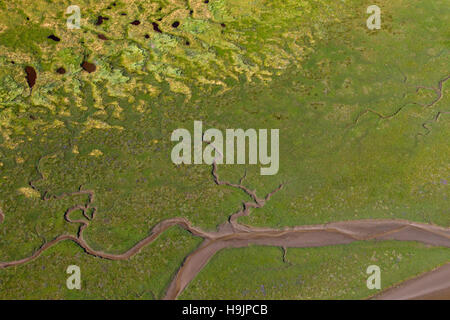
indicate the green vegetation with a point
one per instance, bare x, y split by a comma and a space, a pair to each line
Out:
145, 276
334, 272
356, 141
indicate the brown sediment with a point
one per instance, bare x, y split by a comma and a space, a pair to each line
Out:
443, 294
257, 202
233, 234
88, 66
100, 20
433, 285
2, 216
61, 70
439, 95
427, 123
84, 223
31, 76
102, 36
306, 236
156, 27
54, 38
437, 90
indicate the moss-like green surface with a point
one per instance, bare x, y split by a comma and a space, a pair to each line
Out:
356, 141
335, 272
144, 276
